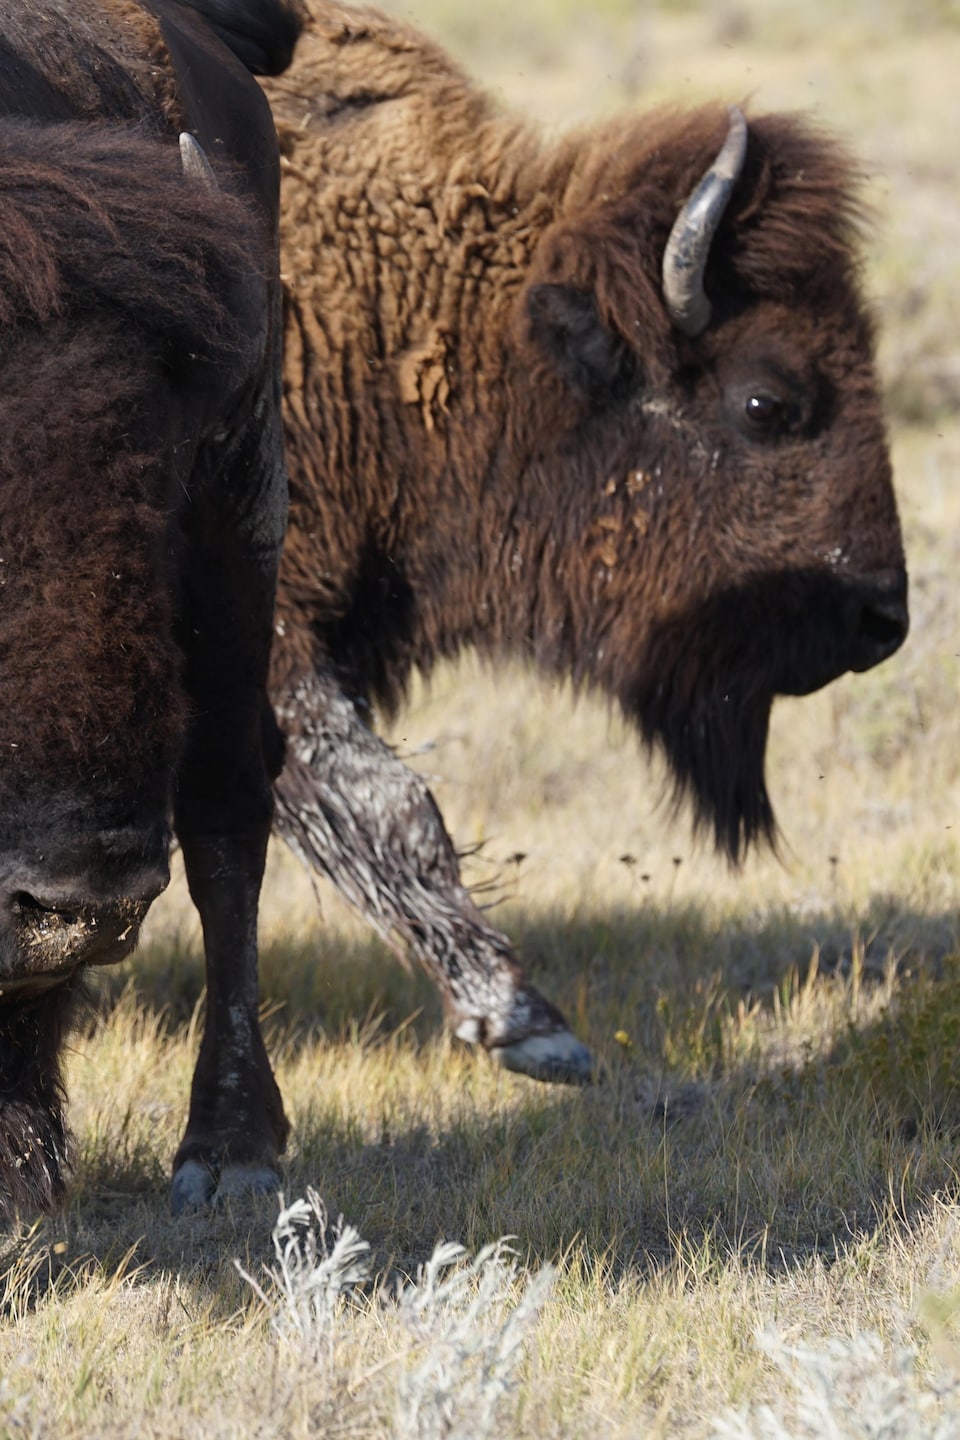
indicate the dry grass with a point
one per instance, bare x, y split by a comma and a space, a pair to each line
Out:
759, 1206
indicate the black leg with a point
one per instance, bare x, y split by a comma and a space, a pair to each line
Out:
237, 1128
223, 807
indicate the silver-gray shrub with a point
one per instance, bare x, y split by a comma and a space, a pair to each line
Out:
847, 1389
456, 1334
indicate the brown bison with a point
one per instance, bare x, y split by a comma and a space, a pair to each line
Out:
607, 404
142, 509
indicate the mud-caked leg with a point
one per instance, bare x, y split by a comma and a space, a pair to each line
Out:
350, 808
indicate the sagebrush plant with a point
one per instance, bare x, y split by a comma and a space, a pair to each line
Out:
319, 1264
458, 1330
848, 1389
467, 1328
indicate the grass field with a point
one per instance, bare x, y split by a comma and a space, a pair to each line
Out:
759, 1207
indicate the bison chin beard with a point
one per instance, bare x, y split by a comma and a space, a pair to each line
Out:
715, 743
704, 687
703, 696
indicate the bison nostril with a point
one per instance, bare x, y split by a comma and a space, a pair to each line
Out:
876, 618
27, 905
884, 624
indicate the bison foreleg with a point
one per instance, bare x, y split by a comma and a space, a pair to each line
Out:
33, 1136
237, 1127
352, 810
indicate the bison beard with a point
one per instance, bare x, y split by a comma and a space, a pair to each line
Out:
708, 684
714, 740
704, 699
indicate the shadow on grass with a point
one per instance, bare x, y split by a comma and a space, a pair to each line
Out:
615, 964
692, 1145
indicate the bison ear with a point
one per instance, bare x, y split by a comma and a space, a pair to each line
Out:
566, 325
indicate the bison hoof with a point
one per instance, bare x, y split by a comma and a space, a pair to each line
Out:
196, 1186
558, 1057
193, 1187
241, 1181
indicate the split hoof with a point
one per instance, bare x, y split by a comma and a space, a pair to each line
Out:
192, 1188
197, 1187
241, 1182
557, 1057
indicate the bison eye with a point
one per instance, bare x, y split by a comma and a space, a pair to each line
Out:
768, 414
763, 410
768, 404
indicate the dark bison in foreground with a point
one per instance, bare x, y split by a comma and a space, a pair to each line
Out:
607, 404
142, 508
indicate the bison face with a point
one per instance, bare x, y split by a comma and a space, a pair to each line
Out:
735, 520
74, 888
773, 533
800, 442
789, 519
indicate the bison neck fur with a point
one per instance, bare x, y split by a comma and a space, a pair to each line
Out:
497, 439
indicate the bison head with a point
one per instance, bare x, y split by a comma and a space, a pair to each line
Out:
91, 705
115, 346
708, 411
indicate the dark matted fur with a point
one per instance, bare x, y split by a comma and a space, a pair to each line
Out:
109, 56
80, 59
103, 279
142, 505
497, 438
33, 1133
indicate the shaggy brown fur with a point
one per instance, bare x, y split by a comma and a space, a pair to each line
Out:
79, 230
497, 438
105, 287
123, 64
452, 482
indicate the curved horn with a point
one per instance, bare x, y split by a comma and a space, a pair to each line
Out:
685, 258
195, 164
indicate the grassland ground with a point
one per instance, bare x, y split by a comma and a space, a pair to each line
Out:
774, 1150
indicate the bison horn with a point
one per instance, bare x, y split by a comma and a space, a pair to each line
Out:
195, 164
685, 257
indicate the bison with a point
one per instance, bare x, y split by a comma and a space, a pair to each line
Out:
606, 403
142, 509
